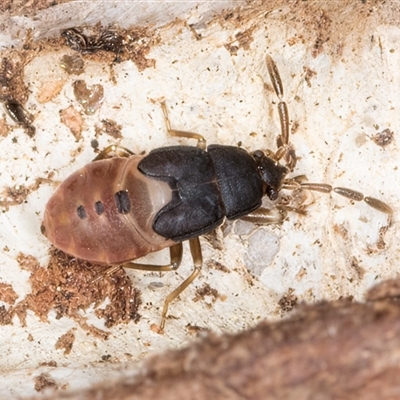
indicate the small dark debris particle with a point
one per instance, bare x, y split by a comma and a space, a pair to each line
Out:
94, 143
288, 301
195, 330
44, 381
111, 128
66, 342
383, 138
218, 266
50, 363
206, 290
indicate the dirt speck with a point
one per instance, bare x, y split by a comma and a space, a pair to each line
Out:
206, 292
308, 75
66, 342
242, 40
218, 266
50, 90
89, 97
4, 128
355, 266
7, 293
67, 286
50, 363
109, 127
383, 138
13, 196
12, 84
44, 381
288, 301
342, 231
196, 330
73, 120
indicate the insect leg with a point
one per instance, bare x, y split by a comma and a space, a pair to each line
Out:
285, 149
108, 272
201, 142
175, 252
176, 258
113, 151
195, 250
264, 216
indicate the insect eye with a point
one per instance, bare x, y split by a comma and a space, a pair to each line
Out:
81, 212
99, 207
272, 194
122, 201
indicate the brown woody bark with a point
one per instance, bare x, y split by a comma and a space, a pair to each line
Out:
342, 350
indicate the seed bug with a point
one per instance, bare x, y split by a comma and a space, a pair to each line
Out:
123, 206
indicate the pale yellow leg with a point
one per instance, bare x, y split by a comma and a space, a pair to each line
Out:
201, 142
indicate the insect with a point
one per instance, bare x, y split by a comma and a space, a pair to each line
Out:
123, 206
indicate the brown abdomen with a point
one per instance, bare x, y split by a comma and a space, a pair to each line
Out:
104, 212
